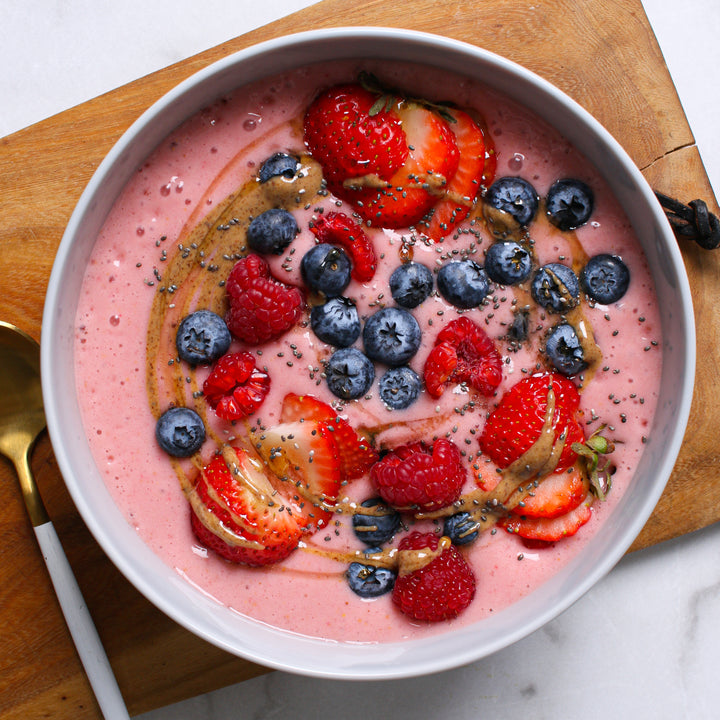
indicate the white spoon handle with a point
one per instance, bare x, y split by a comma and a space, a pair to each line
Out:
92, 654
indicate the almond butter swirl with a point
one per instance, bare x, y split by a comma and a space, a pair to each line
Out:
193, 278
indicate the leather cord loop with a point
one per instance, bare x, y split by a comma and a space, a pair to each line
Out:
692, 221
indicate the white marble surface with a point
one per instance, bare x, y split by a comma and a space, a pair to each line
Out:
645, 642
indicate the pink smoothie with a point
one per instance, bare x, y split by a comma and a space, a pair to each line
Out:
151, 227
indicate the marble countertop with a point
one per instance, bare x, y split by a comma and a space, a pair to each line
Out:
644, 641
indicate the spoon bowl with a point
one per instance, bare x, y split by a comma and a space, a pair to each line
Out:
22, 416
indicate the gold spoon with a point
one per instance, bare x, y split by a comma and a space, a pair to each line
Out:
22, 419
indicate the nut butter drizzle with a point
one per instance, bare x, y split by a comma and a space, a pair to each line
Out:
217, 241
404, 561
503, 226
213, 523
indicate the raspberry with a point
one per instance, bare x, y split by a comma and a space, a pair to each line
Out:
463, 352
440, 590
439, 368
236, 388
261, 307
338, 229
414, 476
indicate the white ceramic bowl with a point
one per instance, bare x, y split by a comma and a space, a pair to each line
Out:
189, 606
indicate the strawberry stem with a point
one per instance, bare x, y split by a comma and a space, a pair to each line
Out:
388, 97
590, 452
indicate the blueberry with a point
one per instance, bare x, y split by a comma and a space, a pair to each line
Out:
391, 336
555, 287
564, 350
180, 432
515, 196
463, 283
279, 164
326, 268
202, 338
569, 203
410, 284
399, 387
520, 326
461, 528
272, 231
507, 263
336, 322
377, 527
349, 373
369, 581
605, 278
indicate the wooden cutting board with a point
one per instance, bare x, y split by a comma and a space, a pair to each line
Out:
601, 52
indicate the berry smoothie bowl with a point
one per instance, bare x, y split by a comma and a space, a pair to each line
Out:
366, 353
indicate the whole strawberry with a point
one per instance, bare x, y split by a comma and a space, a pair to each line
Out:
437, 590
414, 476
516, 425
351, 137
261, 307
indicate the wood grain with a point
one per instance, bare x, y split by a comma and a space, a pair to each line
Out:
601, 52
692, 489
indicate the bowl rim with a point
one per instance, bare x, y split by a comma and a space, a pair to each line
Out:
358, 662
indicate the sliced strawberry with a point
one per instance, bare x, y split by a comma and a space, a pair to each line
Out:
308, 407
517, 423
338, 229
430, 165
305, 458
235, 387
551, 529
463, 352
356, 453
486, 476
466, 183
351, 137
238, 515
490, 159
261, 307
557, 494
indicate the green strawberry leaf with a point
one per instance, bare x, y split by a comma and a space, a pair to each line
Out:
590, 451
